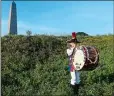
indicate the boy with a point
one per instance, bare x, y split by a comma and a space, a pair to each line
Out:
75, 75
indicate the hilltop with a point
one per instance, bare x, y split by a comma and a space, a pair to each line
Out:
37, 65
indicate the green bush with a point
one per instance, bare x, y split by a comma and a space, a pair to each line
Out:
37, 65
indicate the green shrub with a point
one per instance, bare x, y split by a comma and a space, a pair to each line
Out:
37, 65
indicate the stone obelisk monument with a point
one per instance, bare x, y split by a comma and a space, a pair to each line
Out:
12, 19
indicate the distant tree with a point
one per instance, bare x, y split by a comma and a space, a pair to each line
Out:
10, 34
82, 34
28, 33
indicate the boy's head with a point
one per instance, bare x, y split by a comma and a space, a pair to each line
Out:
73, 44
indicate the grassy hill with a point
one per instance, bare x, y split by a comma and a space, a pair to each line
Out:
38, 65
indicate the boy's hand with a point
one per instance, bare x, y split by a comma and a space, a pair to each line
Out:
69, 51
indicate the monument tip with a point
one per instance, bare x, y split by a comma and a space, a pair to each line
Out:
13, 1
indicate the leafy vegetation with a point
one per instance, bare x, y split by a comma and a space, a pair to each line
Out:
82, 34
37, 65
